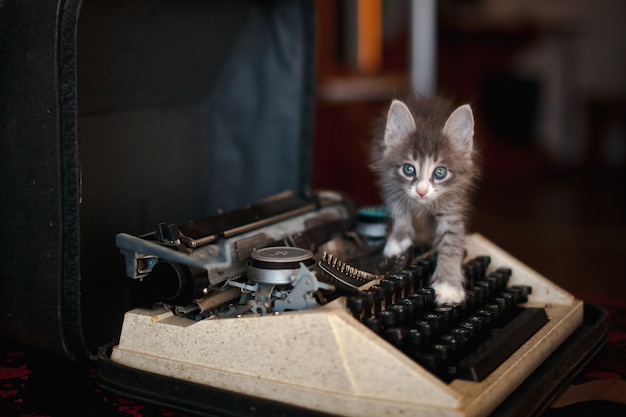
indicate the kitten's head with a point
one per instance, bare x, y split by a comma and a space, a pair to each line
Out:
425, 156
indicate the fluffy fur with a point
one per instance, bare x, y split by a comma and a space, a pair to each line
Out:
424, 160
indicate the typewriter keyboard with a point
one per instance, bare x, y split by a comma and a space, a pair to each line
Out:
453, 342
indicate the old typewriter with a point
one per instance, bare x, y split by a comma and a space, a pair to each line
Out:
288, 307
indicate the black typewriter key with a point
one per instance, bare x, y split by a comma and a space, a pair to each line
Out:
487, 316
389, 318
503, 274
436, 322
471, 328
470, 270
407, 280
398, 286
459, 312
402, 313
488, 288
369, 300
505, 302
483, 262
420, 277
495, 309
431, 324
526, 290
480, 294
443, 354
425, 328
507, 272
448, 315
419, 304
444, 351
477, 329
389, 288
394, 335
480, 322
356, 305
379, 297
373, 323
494, 283
500, 279
452, 342
429, 293
470, 273
498, 312
510, 297
517, 295
409, 300
462, 335
410, 309
470, 302
450, 351
428, 264
490, 284
410, 279
413, 340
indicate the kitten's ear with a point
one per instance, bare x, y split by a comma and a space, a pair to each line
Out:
460, 127
400, 122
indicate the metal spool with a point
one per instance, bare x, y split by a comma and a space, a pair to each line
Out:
278, 264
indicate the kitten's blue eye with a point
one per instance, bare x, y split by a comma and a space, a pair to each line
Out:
408, 170
440, 173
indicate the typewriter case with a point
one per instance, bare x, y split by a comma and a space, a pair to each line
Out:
118, 115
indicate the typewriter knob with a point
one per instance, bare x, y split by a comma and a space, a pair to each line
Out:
278, 264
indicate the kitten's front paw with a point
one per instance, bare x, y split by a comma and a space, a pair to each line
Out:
448, 293
395, 247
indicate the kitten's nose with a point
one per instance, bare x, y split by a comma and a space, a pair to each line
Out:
422, 188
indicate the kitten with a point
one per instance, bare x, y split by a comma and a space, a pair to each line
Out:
425, 164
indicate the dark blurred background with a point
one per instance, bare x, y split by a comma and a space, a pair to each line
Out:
547, 82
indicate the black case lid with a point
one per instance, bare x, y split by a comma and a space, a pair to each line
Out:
115, 116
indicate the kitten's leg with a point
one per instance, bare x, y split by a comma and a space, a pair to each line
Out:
448, 279
401, 235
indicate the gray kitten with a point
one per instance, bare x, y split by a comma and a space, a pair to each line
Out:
425, 163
